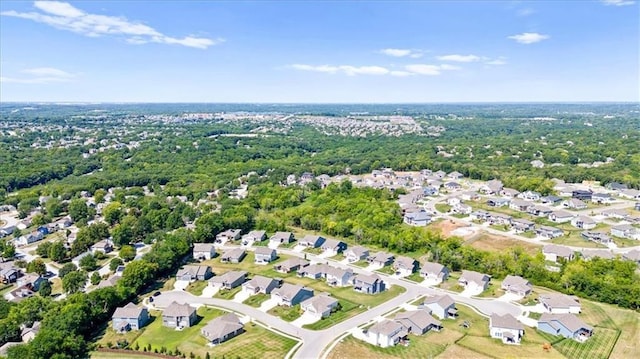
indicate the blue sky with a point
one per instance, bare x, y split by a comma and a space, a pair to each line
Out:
337, 51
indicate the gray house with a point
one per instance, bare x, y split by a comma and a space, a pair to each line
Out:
291, 264
203, 251
567, 325
254, 236
311, 241
357, 253
129, 317
442, 306
235, 255
332, 247
222, 328
418, 322
434, 271
264, 255
291, 294
179, 315
194, 272
260, 284
516, 285
229, 280
281, 237
405, 266
368, 284
319, 306
381, 259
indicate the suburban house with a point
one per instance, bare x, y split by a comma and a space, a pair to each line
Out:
522, 225
228, 235
356, 253
254, 236
567, 325
506, 327
549, 232
368, 284
602, 198
311, 241
332, 247
583, 222
469, 196
552, 252
27, 334
588, 254
179, 315
442, 306
615, 213
265, 255
222, 328
630, 193
462, 208
405, 266
235, 255
557, 303
338, 277
260, 284
582, 195
291, 264
29, 238
313, 271
616, 186
626, 231
291, 294
499, 219
474, 280
319, 306
539, 211
452, 186
550, 200
574, 203
418, 322
492, 187
76, 260
430, 191
561, 216
229, 280
19, 294
9, 274
203, 251
129, 317
516, 285
530, 195
509, 192
498, 202
417, 218
598, 237
194, 272
455, 175
281, 237
435, 272
381, 259
30, 280
520, 205
104, 246
480, 215
386, 333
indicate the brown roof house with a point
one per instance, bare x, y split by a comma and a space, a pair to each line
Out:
179, 315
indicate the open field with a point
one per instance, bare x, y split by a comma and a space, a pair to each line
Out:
228, 293
494, 290
458, 352
247, 264
196, 287
256, 342
452, 283
256, 300
530, 347
494, 243
347, 310
122, 355
288, 314
444, 227
574, 239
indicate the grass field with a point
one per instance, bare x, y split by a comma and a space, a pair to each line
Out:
196, 287
129, 355
347, 310
493, 291
442, 207
452, 283
256, 342
574, 239
256, 300
228, 293
288, 314
494, 243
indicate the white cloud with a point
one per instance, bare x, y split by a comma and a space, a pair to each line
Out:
459, 58
64, 16
496, 62
414, 54
408, 70
617, 2
40, 75
528, 37
525, 11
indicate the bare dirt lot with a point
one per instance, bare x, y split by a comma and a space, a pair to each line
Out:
491, 242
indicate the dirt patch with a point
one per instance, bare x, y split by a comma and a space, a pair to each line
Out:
445, 227
458, 352
492, 242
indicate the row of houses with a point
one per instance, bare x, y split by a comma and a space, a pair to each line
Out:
554, 253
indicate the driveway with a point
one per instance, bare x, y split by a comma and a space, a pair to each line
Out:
268, 304
209, 291
241, 296
305, 318
509, 297
181, 285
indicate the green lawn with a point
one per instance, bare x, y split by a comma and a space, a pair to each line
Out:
493, 291
247, 264
574, 239
347, 293
415, 277
442, 207
256, 342
386, 270
288, 314
228, 293
347, 310
599, 346
256, 300
196, 287
361, 263
122, 355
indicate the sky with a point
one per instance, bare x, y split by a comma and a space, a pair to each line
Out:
320, 51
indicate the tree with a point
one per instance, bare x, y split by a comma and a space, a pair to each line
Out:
95, 278
127, 253
66, 269
88, 262
208, 226
99, 194
53, 207
43, 249
45, 289
73, 282
137, 274
40, 220
9, 251
122, 233
112, 212
37, 266
78, 210
57, 251
115, 263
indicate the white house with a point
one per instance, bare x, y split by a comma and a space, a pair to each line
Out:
386, 333
434, 272
442, 306
557, 303
506, 328
552, 252
203, 251
583, 222
561, 216
474, 281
